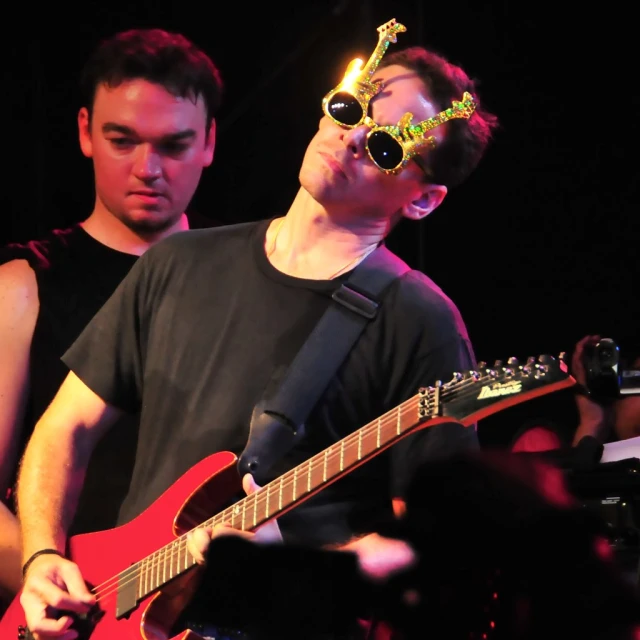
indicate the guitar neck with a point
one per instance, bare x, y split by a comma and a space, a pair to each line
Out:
331, 464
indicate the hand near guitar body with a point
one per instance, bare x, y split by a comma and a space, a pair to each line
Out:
198, 539
53, 584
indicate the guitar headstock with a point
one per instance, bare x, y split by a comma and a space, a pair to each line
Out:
389, 30
472, 395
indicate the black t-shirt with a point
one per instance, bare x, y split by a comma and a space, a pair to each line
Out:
203, 322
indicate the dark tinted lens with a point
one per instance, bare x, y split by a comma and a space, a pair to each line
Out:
345, 108
385, 150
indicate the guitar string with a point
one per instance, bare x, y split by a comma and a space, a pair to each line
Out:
154, 560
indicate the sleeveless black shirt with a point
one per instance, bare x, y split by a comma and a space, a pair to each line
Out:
75, 276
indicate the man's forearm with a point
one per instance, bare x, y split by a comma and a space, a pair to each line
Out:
49, 483
10, 556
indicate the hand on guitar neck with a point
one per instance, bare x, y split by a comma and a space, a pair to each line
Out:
198, 539
378, 556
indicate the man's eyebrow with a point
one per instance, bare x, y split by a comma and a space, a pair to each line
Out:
114, 127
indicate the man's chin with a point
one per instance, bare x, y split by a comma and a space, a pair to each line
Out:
149, 222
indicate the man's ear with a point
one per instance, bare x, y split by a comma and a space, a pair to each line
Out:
431, 198
84, 132
210, 144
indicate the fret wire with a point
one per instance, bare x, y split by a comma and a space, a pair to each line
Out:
255, 508
149, 573
294, 495
164, 567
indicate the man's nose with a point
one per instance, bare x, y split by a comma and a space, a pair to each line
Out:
355, 140
147, 165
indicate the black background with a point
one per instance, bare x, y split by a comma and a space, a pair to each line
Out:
537, 249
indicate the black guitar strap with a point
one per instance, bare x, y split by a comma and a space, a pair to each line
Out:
278, 420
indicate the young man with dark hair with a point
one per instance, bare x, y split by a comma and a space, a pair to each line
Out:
148, 124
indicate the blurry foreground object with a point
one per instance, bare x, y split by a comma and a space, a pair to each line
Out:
507, 553
504, 552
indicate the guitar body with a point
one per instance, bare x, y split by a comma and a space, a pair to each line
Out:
201, 491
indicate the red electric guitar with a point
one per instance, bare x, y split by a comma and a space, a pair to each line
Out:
141, 572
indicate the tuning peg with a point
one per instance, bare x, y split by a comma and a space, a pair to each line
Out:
457, 376
546, 359
497, 364
531, 360
482, 365
514, 363
563, 356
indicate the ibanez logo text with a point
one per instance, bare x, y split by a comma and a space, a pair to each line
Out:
498, 389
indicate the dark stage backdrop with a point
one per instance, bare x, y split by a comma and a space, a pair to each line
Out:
537, 249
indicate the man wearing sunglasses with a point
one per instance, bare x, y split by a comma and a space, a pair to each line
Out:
195, 334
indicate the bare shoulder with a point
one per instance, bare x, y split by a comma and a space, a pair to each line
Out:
18, 292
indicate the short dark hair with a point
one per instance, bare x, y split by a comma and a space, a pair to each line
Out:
466, 141
155, 55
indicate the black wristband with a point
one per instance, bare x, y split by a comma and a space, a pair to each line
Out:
27, 564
